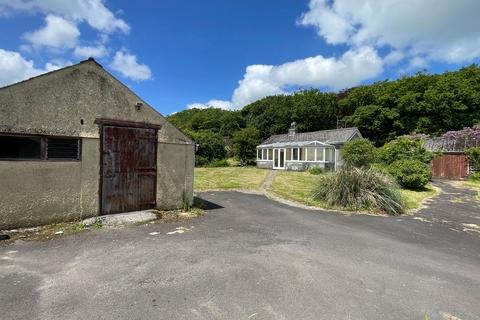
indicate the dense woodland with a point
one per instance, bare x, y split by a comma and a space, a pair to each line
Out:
424, 103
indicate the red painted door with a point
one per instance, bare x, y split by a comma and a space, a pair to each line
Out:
129, 169
450, 166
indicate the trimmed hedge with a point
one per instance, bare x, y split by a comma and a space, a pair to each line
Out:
411, 174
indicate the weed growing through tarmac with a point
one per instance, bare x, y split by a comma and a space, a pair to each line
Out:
52, 231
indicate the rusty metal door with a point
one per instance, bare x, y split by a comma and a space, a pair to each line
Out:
450, 166
129, 169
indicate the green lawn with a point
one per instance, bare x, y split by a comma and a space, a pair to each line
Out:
414, 199
244, 178
475, 184
472, 183
296, 186
289, 185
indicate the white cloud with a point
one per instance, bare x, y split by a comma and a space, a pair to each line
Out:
353, 67
412, 31
84, 52
56, 64
57, 33
330, 25
127, 65
437, 30
393, 57
93, 12
221, 104
417, 63
14, 67
259, 81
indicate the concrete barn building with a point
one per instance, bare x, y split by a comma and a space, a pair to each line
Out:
300, 151
77, 143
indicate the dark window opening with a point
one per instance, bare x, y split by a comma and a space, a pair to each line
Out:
18, 147
63, 148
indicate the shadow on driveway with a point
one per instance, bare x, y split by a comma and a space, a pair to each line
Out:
250, 257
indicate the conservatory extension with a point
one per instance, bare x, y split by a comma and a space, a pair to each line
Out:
302, 151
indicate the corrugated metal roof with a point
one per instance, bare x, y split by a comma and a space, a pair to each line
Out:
335, 136
450, 144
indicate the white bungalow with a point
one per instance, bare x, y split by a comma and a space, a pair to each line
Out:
302, 151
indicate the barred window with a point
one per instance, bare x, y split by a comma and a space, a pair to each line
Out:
25, 147
63, 148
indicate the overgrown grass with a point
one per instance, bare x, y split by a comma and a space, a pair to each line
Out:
360, 189
245, 178
413, 199
473, 184
296, 186
289, 185
47, 232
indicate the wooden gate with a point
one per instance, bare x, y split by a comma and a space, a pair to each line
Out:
129, 169
450, 166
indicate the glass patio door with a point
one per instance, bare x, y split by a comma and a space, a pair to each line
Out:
278, 158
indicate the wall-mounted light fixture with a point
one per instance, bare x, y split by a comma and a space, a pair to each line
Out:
138, 106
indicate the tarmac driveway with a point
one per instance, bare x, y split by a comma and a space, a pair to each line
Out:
249, 257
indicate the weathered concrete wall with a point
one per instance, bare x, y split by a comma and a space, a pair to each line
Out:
56, 103
338, 157
303, 166
90, 178
296, 165
40, 192
35, 192
175, 165
264, 164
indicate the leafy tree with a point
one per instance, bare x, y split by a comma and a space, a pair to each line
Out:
245, 142
214, 119
404, 148
359, 152
231, 122
372, 120
423, 103
311, 109
211, 147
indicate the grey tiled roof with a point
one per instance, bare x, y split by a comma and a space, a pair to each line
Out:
326, 136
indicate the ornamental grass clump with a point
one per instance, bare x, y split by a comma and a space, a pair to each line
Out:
360, 189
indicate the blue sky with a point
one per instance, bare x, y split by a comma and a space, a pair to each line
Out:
181, 54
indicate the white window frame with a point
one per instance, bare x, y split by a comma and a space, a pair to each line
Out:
314, 154
325, 155
316, 151
297, 155
278, 167
315, 144
260, 151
